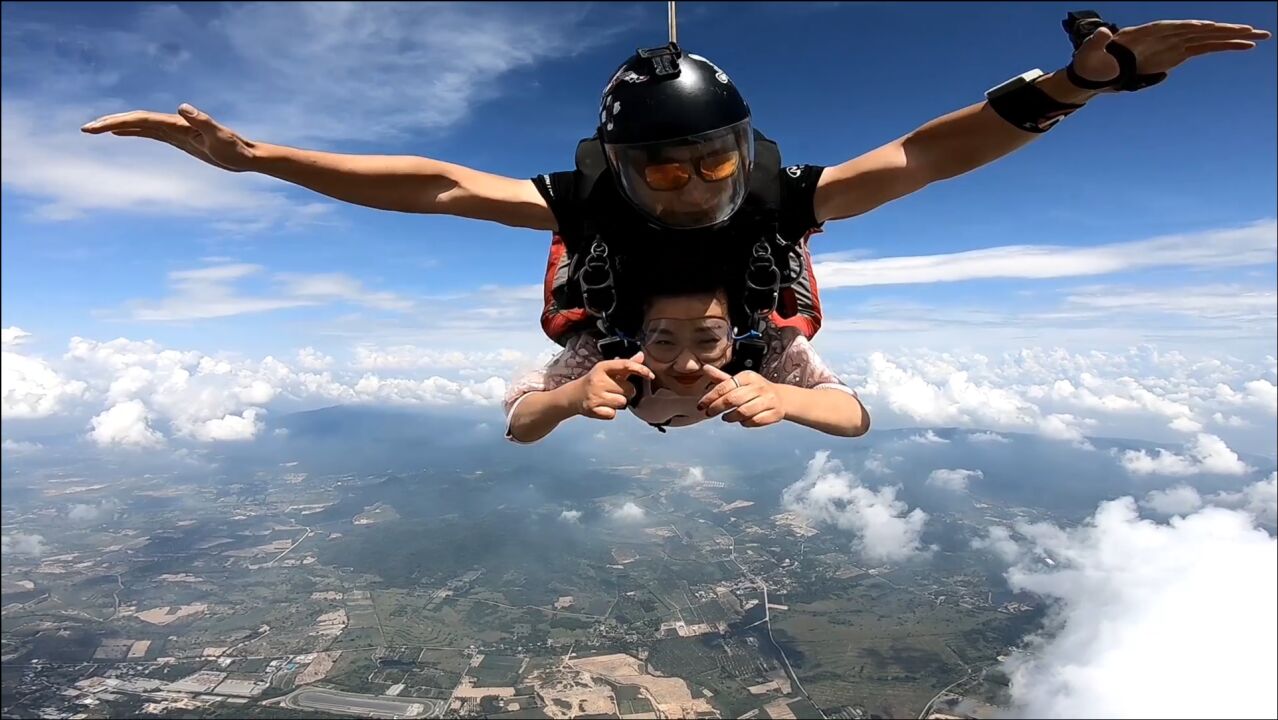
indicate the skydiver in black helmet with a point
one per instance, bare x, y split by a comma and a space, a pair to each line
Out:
676, 173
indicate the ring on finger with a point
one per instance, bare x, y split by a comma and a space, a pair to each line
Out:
736, 382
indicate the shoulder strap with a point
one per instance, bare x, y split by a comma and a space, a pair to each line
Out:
591, 164
765, 181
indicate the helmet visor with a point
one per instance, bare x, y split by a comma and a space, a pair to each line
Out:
690, 182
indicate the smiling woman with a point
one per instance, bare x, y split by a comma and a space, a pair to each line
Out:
686, 372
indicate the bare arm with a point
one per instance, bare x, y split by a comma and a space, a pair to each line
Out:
946, 147
407, 183
539, 413
599, 394
403, 183
831, 411
974, 136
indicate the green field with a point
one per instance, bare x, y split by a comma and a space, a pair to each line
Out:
885, 648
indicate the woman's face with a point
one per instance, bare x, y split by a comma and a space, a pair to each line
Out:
684, 334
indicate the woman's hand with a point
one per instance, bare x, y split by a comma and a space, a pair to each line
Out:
606, 388
753, 400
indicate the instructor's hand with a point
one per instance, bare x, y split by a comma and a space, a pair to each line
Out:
752, 399
190, 130
606, 388
1162, 45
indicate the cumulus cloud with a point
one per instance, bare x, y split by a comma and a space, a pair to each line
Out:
955, 480
1259, 499
126, 424
230, 427
886, 530
409, 357
1150, 619
22, 544
148, 391
1252, 244
879, 465
998, 540
33, 389
13, 337
1141, 393
928, 438
629, 512
1179, 500
572, 517
986, 437
86, 512
1207, 454
308, 358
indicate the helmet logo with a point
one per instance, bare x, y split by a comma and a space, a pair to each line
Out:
719, 75
629, 76
793, 171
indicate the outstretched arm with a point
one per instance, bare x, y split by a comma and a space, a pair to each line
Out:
754, 401
599, 394
403, 183
974, 136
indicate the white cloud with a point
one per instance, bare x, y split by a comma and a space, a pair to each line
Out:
1252, 244
1260, 499
1207, 454
629, 512
572, 517
211, 292
12, 337
1215, 302
22, 544
928, 438
126, 424
230, 427
32, 389
986, 437
1151, 620
338, 286
323, 80
998, 540
1259, 393
44, 156
85, 512
694, 475
308, 358
409, 357
878, 465
1143, 393
955, 480
1179, 500
884, 530
19, 447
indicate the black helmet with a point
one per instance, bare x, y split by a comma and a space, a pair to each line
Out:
677, 136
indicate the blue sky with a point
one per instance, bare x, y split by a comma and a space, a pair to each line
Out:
1162, 201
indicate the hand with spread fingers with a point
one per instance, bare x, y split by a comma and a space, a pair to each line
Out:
191, 131
606, 389
1156, 48
750, 399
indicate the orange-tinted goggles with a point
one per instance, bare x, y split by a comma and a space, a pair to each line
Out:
667, 176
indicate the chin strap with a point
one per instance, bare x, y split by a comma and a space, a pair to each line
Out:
1080, 25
